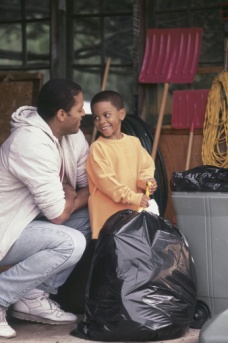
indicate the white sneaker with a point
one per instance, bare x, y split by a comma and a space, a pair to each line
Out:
41, 309
5, 330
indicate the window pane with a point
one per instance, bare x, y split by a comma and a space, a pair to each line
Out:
11, 46
87, 43
213, 41
118, 5
121, 80
167, 5
90, 81
86, 6
37, 9
119, 39
205, 3
172, 20
10, 10
38, 44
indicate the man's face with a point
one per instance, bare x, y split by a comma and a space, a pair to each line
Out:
72, 119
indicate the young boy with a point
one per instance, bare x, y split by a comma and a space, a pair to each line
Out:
118, 167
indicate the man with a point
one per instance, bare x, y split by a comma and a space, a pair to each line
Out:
44, 221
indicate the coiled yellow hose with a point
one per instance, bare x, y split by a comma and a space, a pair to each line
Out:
215, 129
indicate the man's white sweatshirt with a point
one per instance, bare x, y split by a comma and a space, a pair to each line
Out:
30, 163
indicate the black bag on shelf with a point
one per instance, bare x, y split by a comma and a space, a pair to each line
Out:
142, 282
203, 178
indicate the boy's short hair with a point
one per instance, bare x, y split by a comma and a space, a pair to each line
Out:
56, 94
110, 96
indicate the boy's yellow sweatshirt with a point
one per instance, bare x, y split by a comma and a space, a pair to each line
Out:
117, 173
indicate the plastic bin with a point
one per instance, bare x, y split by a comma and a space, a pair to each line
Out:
203, 218
215, 330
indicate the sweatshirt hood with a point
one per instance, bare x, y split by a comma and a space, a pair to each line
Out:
28, 116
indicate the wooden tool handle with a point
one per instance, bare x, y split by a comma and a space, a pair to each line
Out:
189, 150
102, 89
159, 123
105, 77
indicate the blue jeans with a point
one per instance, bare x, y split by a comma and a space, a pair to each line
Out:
43, 256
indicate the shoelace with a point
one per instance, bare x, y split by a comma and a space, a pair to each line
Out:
53, 305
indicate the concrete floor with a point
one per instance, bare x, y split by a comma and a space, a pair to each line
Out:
28, 332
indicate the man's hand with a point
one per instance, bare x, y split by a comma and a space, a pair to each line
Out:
74, 201
69, 191
81, 199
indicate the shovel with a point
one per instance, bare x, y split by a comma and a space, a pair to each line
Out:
171, 56
189, 107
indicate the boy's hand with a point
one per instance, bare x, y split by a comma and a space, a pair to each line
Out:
152, 185
144, 201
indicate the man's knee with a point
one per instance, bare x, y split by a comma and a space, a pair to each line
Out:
68, 244
78, 242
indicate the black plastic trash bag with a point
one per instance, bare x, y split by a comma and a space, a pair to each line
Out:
142, 283
203, 178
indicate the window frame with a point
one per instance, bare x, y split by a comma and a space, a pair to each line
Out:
24, 52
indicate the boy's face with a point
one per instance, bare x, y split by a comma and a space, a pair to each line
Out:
107, 119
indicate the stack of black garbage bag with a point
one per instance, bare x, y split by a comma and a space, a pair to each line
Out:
142, 283
203, 178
